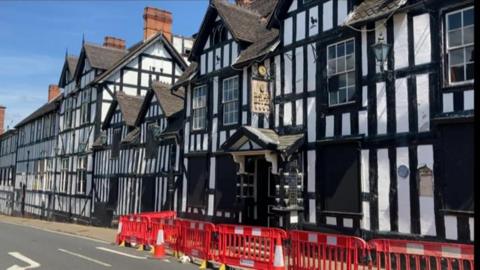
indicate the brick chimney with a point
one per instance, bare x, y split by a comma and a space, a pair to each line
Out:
53, 92
113, 42
2, 119
244, 3
157, 20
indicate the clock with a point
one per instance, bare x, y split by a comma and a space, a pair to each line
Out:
262, 70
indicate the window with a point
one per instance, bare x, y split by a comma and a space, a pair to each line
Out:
341, 72
117, 136
220, 34
50, 175
64, 176
230, 101
67, 117
199, 106
82, 174
85, 108
460, 35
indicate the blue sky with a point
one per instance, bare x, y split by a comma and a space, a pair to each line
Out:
34, 36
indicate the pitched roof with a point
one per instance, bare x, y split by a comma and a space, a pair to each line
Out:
129, 107
245, 24
371, 9
258, 49
72, 62
43, 110
264, 8
136, 49
102, 57
186, 75
170, 101
131, 137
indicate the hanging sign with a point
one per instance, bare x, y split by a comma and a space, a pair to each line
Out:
260, 97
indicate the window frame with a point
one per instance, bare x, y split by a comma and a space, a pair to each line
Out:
235, 100
462, 46
345, 72
81, 185
85, 107
63, 187
197, 108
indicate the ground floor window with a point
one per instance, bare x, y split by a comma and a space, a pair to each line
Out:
82, 174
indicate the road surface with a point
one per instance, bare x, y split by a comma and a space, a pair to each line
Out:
23, 247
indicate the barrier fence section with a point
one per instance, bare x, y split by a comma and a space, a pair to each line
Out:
132, 229
313, 250
251, 247
198, 239
403, 254
171, 232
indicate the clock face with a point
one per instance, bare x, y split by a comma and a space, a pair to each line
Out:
262, 70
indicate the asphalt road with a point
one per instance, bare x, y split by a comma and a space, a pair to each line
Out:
24, 247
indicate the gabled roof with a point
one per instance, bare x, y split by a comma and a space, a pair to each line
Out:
69, 65
98, 56
246, 24
170, 101
265, 139
372, 9
186, 75
129, 108
43, 110
138, 48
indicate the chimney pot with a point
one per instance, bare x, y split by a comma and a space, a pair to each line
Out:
2, 119
53, 92
157, 20
113, 42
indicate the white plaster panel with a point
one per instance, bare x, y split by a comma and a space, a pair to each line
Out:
277, 75
364, 51
447, 102
403, 192
244, 86
287, 114
427, 212
210, 62
346, 124
381, 108
287, 58
400, 43
366, 215
299, 70
342, 11
293, 6
422, 44
363, 122
203, 64
311, 119
365, 170
215, 94
226, 55
300, 26
218, 58
329, 126
383, 190
313, 28
327, 15
401, 105
234, 52
451, 227
299, 112
311, 67
468, 100
471, 225
288, 31
423, 102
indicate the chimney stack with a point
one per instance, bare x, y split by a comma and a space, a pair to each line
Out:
2, 119
157, 20
244, 3
53, 92
113, 42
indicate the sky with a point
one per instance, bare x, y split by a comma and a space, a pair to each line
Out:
35, 35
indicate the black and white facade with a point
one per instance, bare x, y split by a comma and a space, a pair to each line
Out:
373, 149
35, 163
8, 152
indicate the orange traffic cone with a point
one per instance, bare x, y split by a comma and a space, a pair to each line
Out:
278, 260
159, 248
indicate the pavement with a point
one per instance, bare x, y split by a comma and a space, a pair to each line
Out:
37, 244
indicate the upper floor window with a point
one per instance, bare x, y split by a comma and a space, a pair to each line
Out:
199, 107
68, 115
220, 34
230, 101
117, 137
460, 35
341, 72
85, 108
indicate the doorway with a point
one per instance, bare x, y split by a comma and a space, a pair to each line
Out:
259, 192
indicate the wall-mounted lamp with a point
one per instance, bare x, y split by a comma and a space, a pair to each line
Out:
381, 51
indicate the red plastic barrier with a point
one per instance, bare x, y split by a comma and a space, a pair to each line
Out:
133, 229
163, 214
197, 239
404, 254
313, 250
171, 232
251, 247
